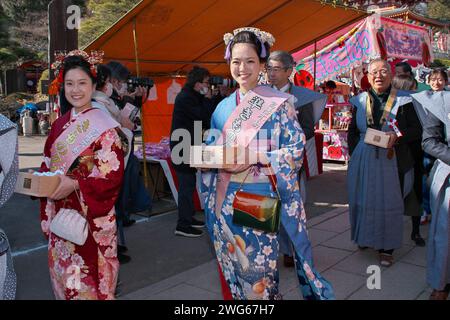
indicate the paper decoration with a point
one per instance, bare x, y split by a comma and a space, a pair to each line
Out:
173, 91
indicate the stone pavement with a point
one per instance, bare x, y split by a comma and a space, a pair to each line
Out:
335, 256
164, 266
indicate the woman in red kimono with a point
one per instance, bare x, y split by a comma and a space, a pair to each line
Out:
85, 145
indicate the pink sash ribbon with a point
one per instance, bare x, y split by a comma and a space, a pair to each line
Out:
243, 125
78, 136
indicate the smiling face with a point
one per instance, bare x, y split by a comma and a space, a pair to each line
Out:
379, 76
245, 66
78, 87
437, 82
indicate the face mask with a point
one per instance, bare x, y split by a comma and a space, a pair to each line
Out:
204, 90
109, 89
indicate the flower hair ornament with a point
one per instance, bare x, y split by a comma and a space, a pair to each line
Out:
95, 58
263, 37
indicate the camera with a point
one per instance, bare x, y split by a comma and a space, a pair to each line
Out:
217, 81
134, 82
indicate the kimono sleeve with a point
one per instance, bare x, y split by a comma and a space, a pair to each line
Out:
46, 212
101, 188
433, 141
288, 158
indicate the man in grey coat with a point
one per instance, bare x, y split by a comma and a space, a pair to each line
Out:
309, 106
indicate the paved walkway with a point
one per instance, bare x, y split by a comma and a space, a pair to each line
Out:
335, 256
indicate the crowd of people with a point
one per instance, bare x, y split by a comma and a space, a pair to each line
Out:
254, 200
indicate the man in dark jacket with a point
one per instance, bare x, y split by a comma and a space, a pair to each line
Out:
133, 197
193, 104
309, 106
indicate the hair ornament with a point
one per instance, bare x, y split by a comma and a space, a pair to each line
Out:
95, 58
263, 37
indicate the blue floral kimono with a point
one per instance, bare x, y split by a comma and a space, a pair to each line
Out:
248, 257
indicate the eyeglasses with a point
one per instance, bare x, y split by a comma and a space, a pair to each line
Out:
275, 69
382, 72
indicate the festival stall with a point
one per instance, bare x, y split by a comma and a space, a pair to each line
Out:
164, 39
347, 52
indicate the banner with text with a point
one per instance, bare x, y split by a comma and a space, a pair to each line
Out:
405, 41
349, 50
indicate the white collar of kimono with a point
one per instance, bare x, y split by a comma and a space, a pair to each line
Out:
241, 95
74, 114
286, 87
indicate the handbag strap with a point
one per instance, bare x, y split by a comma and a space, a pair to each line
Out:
79, 200
272, 178
386, 111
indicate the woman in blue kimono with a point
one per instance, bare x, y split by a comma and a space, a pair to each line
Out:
436, 142
248, 257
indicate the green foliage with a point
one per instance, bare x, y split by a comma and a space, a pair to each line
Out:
23, 30
17, 9
439, 9
10, 51
5, 22
7, 57
13, 54
102, 14
440, 63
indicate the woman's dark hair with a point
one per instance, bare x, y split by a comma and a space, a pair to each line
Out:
406, 67
252, 39
330, 84
441, 72
118, 71
404, 82
69, 63
103, 74
197, 74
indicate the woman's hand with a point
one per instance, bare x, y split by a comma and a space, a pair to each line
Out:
237, 168
263, 158
65, 188
126, 123
140, 91
392, 139
244, 158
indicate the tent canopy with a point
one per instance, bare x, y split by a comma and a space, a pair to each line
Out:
174, 35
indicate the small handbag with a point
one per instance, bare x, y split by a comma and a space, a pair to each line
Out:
257, 211
376, 138
69, 224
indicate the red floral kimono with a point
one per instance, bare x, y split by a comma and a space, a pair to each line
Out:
89, 271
